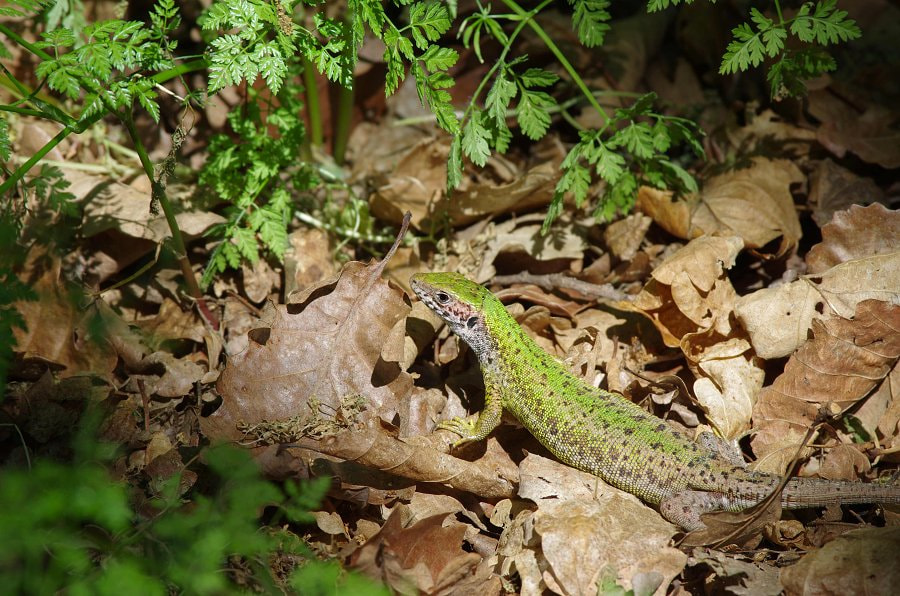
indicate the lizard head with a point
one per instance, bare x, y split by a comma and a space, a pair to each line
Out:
459, 301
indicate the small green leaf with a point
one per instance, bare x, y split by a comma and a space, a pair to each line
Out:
475, 139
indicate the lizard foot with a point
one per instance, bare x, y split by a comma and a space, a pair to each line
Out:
464, 427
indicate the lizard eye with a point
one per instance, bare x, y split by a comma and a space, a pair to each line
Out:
442, 297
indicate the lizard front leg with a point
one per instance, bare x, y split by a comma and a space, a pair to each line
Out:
469, 431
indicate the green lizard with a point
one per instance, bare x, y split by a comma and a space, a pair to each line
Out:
601, 432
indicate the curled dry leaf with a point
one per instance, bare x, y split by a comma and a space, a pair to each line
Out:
417, 459
690, 292
732, 377
690, 300
856, 233
754, 203
843, 362
325, 347
861, 561
778, 319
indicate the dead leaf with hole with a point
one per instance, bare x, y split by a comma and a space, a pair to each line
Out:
325, 347
754, 203
863, 561
778, 319
846, 359
855, 233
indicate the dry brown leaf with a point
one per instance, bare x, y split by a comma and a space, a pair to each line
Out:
420, 459
844, 361
112, 205
174, 322
57, 329
324, 347
736, 576
308, 260
731, 379
425, 557
833, 189
778, 319
754, 203
872, 135
768, 127
418, 182
864, 561
880, 414
260, 280
624, 237
856, 233
585, 526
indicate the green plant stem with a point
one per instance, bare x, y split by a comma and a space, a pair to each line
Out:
342, 123
48, 146
312, 104
778, 11
158, 193
24, 111
157, 189
528, 17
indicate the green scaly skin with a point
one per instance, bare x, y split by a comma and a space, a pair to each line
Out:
601, 432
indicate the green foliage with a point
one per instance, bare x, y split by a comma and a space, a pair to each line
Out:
820, 23
249, 172
68, 527
635, 152
629, 149
12, 290
5, 147
23, 8
590, 20
101, 61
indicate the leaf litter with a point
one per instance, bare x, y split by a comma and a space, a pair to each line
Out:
343, 378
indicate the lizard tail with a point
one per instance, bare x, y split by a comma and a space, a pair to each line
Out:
815, 492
